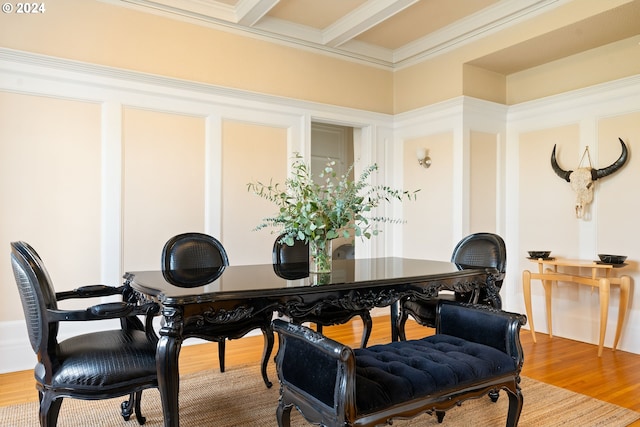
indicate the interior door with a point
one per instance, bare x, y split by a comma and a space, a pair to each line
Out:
332, 143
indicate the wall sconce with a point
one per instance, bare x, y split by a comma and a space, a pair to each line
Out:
423, 157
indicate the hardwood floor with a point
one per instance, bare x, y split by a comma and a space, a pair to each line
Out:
614, 377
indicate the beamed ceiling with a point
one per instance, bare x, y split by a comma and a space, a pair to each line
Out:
398, 33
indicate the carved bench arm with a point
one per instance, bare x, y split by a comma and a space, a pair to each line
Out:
484, 325
332, 371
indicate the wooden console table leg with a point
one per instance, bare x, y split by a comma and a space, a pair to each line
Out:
625, 287
548, 286
605, 288
526, 288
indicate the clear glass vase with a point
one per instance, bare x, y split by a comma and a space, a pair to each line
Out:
320, 256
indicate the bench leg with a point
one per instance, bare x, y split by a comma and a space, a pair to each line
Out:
515, 406
283, 415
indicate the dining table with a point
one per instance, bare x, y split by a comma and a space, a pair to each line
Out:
237, 293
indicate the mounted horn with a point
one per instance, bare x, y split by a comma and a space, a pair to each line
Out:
601, 173
557, 169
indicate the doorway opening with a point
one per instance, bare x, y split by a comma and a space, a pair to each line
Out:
333, 143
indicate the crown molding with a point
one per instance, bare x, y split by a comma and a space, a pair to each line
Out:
480, 24
249, 18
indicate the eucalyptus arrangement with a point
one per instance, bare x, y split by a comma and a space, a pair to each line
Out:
318, 213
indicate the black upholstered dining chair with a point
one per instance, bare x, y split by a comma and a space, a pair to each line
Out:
196, 259
95, 365
345, 251
298, 254
475, 250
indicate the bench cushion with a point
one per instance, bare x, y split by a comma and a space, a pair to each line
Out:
401, 371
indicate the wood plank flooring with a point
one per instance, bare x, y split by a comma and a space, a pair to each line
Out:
614, 377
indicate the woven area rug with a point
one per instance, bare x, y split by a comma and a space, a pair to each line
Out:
238, 397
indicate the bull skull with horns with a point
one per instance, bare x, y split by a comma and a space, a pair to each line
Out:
582, 179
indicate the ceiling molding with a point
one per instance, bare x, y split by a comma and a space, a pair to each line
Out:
360, 20
265, 19
484, 22
249, 12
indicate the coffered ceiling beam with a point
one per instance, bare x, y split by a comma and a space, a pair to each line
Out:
360, 20
248, 12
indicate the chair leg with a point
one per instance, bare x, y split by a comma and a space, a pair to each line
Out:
133, 404
49, 409
221, 344
126, 407
139, 417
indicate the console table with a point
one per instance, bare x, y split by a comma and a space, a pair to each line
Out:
238, 293
600, 277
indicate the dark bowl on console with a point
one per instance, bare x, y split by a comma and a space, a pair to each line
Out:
539, 254
612, 259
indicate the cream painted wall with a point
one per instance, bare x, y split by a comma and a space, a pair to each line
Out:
127, 39
545, 216
119, 175
80, 116
546, 202
610, 62
50, 168
617, 197
432, 221
250, 153
100, 33
164, 183
484, 84
484, 170
448, 75
429, 219
427, 83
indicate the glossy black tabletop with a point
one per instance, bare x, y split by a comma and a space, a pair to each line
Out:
245, 281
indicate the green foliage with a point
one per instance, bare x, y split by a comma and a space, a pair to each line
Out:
338, 207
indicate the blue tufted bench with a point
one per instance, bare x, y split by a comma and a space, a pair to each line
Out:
476, 351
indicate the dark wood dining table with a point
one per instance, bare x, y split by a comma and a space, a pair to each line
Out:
238, 293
